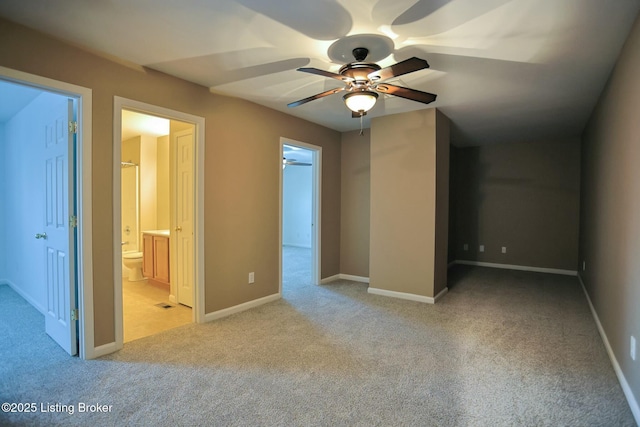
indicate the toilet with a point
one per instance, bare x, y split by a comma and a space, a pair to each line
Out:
133, 261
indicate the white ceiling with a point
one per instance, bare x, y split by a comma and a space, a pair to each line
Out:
13, 98
134, 124
503, 70
297, 154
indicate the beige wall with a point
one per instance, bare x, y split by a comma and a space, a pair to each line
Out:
610, 213
354, 205
403, 203
524, 196
130, 151
163, 184
241, 198
148, 183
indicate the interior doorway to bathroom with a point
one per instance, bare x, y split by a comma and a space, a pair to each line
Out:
300, 214
158, 206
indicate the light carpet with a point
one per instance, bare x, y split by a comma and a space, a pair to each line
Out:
502, 348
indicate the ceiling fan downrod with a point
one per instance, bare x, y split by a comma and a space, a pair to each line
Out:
360, 53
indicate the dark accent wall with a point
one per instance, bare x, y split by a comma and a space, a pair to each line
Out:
523, 196
610, 213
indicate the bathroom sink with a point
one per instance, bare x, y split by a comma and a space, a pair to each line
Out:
164, 233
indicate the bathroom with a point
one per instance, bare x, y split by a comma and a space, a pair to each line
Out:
146, 218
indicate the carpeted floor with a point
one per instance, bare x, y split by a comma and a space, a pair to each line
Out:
502, 348
296, 267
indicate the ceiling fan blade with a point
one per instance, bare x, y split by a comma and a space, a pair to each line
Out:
320, 95
405, 92
356, 115
298, 164
324, 73
404, 67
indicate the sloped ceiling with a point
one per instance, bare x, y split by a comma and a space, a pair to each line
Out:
503, 70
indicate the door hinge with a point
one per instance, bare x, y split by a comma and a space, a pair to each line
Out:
74, 314
73, 127
73, 221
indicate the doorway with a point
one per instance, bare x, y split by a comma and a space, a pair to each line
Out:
158, 209
299, 214
156, 159
46, 151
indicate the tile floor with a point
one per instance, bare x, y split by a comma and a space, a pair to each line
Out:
142, 317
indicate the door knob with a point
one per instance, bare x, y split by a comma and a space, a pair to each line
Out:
178, 228
41, 236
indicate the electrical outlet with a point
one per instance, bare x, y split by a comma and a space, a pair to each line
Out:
504, 249
481, 248
252, 277
466, 246
633, 347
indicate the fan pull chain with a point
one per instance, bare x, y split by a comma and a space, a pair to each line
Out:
361, 131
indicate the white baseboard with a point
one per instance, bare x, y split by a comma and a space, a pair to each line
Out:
27, 297
173, 299
631, 399
329, 279
441, 294
102, 350
518, 267
353, 278
341, 276
410, 297
240, 307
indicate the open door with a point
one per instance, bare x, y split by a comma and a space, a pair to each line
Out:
59, 226
184, 216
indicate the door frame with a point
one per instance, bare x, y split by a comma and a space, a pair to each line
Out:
316, 205
120, 104
83, 195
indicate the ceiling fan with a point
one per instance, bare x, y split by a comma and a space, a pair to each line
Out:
293, 162
364, 82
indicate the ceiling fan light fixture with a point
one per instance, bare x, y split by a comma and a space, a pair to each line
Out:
360, 101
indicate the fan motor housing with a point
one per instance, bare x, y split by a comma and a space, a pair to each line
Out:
359, 71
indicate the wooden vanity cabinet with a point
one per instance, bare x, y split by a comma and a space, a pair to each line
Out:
155, 258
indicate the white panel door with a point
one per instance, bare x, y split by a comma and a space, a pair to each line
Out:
184, 216
59, 253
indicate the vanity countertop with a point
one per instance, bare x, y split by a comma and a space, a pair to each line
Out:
163, 233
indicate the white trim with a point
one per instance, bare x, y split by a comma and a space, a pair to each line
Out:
316, 209
353, 278
330, 279
241, 307
341, 276
441, 294
84, 184
119, 104
631, 399
404, 295
105, 349
27, 297
518, 267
